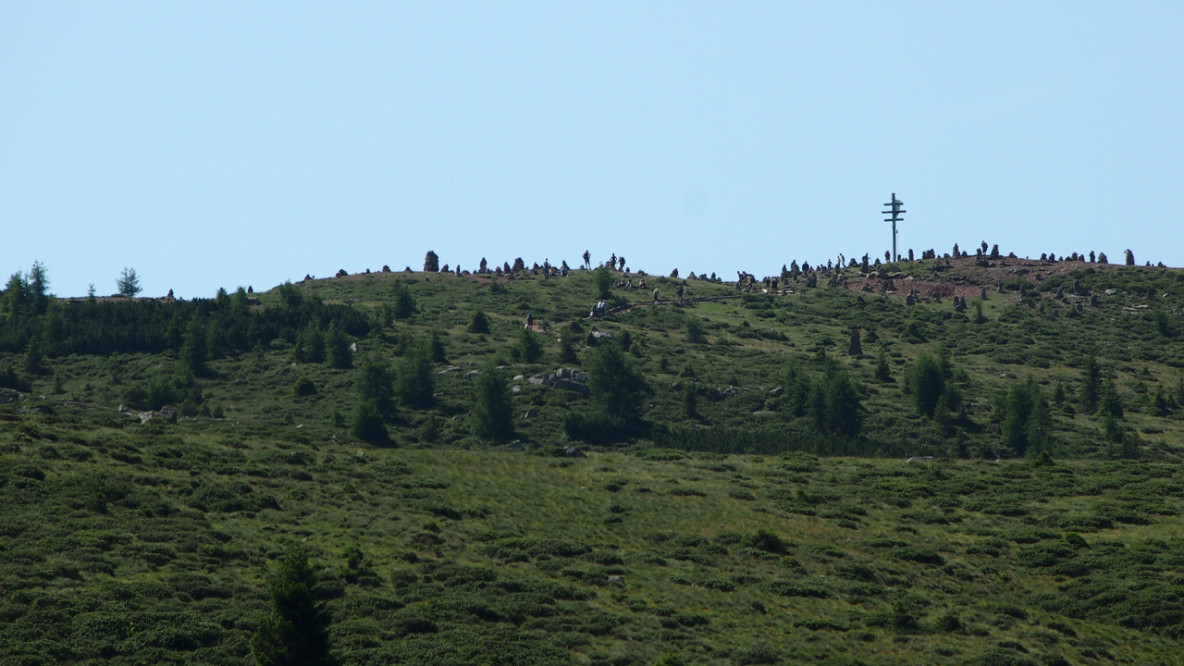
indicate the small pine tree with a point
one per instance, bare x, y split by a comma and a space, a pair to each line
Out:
39, 287
404, 302
375, 384
1108, 401
854, 348
436, 347
603, 279
694, 330
128, 283
366, 423
34, 357
615, 386
295, 629
883, 370
690, 400
479, 323
1091, 385
337, 353
927, 383
491, 417
567, 351
415, 383
529, 349
194, 350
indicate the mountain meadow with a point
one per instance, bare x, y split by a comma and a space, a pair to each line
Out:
968, 458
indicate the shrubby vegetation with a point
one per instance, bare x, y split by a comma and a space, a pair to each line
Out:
743, 499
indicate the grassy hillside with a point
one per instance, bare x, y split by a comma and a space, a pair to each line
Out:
721, 527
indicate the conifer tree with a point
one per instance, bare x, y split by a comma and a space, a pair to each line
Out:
491, 416
376, 385
615, 385
415, 383
337, 353
194, 349
1091, 385
479, 322
295, 629
128, 283
404, 302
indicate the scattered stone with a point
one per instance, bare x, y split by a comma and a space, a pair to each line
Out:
599, 336
776, 393
574, 452
571, 385
471, 374
723, 394
920, 459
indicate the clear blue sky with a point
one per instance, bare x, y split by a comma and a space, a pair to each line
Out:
210, 144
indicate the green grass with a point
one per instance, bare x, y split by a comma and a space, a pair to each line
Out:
162, 535
150, 543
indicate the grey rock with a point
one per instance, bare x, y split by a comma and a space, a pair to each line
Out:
569, 385
573, 452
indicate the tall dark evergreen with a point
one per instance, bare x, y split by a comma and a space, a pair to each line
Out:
479, 323
926, 383
491, 417
835, 403
337, 353
1027, 420
39, 287
415, 383
375, 384
1091, 385
529, 349
194, 350
295, 629
403, 303
615, 385
798, 388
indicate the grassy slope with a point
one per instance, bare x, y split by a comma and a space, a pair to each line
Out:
161, 534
